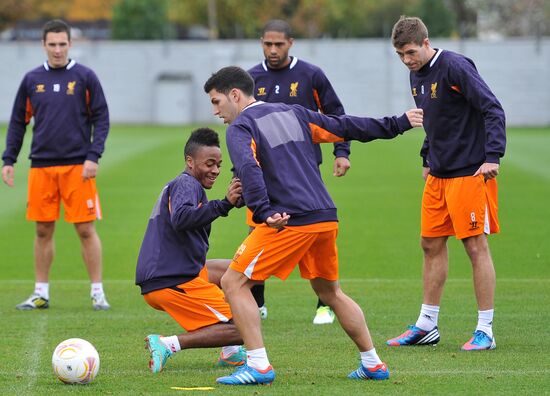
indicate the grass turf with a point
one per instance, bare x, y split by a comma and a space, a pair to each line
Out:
380, 259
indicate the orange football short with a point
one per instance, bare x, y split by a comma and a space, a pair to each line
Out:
54, 184
194, 304
267, 252
460, 206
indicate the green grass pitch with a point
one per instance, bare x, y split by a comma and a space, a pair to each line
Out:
380, 261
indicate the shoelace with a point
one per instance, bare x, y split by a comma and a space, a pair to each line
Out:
479, 336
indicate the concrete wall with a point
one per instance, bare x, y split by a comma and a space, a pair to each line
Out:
161, 82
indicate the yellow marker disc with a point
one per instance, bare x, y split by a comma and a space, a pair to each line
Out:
197, 388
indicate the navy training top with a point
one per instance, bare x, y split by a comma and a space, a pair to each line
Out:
71, 117
175, 244
463, 120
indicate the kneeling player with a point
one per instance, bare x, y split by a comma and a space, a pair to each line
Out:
171, 267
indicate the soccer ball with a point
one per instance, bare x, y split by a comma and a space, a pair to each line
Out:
75, 361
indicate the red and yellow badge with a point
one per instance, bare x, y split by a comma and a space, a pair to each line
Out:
70, 87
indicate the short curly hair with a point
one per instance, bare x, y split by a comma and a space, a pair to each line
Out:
201, 137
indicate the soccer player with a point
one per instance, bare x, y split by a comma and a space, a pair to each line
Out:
171, 269
287, 79
465, 139
271, 146
71, 123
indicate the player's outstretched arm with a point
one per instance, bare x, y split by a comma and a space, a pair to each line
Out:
330, 129
8, 174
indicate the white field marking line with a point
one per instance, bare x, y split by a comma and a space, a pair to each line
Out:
451, 372
346, 280
66, 281
430, 373
35, 344
138, 313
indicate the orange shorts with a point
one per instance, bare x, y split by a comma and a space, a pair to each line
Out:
267, 252
194, 304
51, 185
460, 206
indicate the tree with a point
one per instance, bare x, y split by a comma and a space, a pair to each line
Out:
346, 18
309, 18
235, 18
436, 15
141, 20
512, 17
10, 12
466, 18
90, 10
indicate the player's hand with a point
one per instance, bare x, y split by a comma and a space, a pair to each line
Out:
89, 170
341, 166
416, 117
488, 170
235, 191
8, 174
425, 172
277, 221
